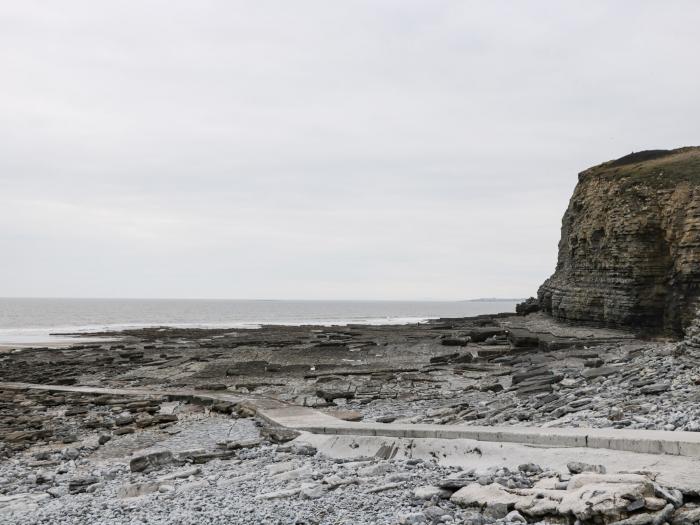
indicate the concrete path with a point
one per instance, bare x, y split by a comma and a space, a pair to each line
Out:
644, 441
672, 471
316, 422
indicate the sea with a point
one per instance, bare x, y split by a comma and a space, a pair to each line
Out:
33, 321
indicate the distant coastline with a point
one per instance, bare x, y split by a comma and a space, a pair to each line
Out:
493, 300
28, 321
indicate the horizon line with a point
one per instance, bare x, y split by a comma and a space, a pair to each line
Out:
424, 300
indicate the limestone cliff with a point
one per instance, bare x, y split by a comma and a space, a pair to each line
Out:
629, 253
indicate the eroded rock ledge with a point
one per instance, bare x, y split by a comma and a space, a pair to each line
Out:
629, 253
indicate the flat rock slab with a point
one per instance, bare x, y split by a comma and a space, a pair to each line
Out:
672, 471
603, 371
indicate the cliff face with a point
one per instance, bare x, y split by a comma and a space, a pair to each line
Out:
629, 253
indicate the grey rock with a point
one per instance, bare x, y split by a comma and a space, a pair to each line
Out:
414, 518
71, 453
530, 468
657, 388
147, 462
603, 371
515, 517
673, 496
577, 467
686, 516
79, 485
496, 511
428, 492
122, 421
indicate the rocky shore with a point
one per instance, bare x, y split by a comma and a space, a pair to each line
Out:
80, 457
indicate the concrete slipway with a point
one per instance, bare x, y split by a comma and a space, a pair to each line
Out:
674, 456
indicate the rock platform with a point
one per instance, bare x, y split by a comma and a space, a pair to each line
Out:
490, 420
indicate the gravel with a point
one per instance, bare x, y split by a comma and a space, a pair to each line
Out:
262, 486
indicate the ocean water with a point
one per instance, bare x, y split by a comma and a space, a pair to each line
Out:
28, 321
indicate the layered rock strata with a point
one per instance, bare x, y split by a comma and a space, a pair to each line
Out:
629, 253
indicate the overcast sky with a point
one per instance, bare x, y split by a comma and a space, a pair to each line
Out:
320, 149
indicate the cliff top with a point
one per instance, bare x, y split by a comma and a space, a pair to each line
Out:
654, 167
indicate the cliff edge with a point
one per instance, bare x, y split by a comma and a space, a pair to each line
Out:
629, 253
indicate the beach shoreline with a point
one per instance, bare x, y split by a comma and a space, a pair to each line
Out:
208, 403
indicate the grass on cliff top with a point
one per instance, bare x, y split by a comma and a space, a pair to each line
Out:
656, 168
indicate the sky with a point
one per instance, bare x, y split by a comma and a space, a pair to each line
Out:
378, 149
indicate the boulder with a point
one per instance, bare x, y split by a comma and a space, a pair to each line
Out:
476, 495
122, 421
686, 516
588, 497
577, 467
279, 434
79, 485
648, 518
329, 395
605, 501
428, 492
150, 461
590, 478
